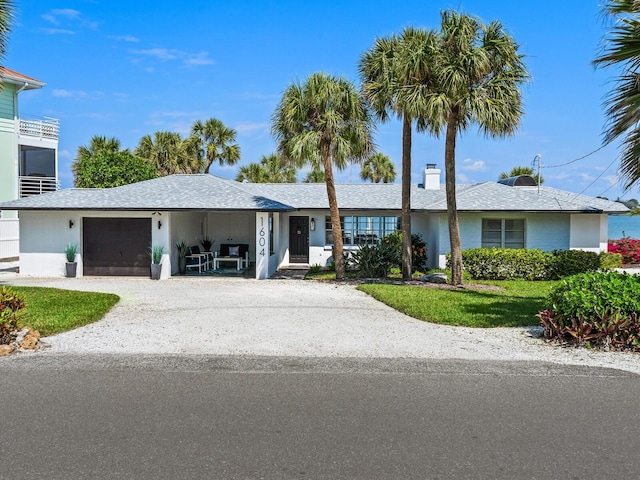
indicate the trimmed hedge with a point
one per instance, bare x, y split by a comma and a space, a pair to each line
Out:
534, 264
595, 309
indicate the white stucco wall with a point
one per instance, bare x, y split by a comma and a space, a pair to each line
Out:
589, 232
44, 235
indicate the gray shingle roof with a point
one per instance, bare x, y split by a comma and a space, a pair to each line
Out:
207, 192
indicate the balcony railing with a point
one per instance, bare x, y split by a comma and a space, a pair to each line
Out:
47, 128
36, 185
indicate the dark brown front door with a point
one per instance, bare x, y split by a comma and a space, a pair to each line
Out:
116, 246
299, 239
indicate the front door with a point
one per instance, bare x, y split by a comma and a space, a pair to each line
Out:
298, 239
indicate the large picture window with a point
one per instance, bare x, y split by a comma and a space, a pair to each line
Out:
502, 233
362, 230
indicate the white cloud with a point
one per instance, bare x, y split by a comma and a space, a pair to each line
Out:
68, 18
170, 54
252, 127
612, 179
61, 92
125, 38
57, 31
586, 176
474, 165
463, 178
163, 54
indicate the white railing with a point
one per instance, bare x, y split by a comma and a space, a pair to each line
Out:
9, 237
47, 128
36, 185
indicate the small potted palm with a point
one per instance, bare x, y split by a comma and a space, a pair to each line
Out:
183, 251
157, 251
71, 265
207, 243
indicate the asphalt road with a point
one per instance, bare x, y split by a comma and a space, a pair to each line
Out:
166, 417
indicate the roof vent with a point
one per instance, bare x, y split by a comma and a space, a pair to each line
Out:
519, 181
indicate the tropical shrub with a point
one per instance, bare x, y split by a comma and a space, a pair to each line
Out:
564, 263
375, 261
11, 306
418, 249
629, 248
609, 261
594, 309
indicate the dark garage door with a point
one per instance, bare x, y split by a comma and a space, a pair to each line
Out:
116, 246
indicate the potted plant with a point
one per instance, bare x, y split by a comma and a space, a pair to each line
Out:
183, 251
156, 261
207, 243
71, 265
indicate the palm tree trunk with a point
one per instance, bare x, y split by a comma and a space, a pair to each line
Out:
450, 184
335, 213
406, 198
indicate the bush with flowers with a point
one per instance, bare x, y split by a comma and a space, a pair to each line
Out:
629, 248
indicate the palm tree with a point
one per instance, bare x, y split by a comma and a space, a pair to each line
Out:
253, 173
97, 144
7, 12
622, 50
324, 119
169, 153
316, 175
217, 141
520, 170
479, 76
378, 168
397, 77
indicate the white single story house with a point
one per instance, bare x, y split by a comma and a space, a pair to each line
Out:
286, 224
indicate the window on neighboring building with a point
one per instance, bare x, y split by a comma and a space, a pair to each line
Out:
38, 162
362, 230
502, 233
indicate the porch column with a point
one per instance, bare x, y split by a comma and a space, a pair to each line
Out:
262, 245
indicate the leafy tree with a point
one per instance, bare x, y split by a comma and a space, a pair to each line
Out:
169, 153
378, 168
271, 169
107, 168
397, 78
622, 50
217, 141
97, 144
324, 120
479, 73
516, 171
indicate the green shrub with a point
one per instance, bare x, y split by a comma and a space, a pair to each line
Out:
503, 263
11, 306
418, 249
564, 263
375, 261
609, 261
314, 268
595, 309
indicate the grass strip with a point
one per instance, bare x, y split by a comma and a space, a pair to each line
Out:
52, 310
514, 306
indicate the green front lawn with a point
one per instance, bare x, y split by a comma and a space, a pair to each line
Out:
514, 305
51, 310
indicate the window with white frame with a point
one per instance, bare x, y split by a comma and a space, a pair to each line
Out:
503, 233
360, 230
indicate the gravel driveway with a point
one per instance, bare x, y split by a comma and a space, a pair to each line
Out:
285, 318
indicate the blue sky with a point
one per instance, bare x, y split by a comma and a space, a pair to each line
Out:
126, 69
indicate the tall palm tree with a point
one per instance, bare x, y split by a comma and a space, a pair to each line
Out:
521, 170
169, 153
217, 141
271, 169
98, 143
397, 77
622, 50
324, 119
479, 76
378, 168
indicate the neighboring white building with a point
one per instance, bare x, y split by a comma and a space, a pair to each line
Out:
28, 155
286, 224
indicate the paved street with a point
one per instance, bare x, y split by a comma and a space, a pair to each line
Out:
145, 416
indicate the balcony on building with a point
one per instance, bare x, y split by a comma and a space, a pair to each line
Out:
37, 154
